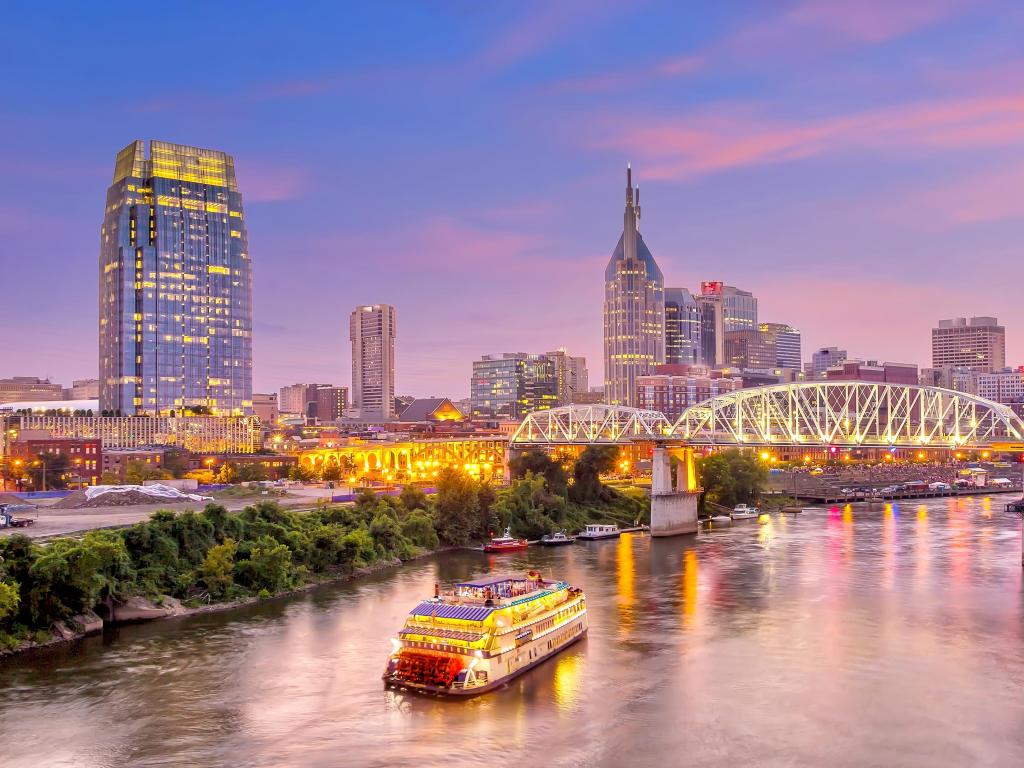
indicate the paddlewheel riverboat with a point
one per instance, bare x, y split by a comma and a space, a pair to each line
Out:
483, 633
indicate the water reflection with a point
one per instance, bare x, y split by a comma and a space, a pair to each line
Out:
850, 636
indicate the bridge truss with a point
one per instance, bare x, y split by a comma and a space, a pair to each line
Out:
590, 425
848, 414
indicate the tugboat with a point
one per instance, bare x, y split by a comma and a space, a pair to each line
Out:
557, 540
505, 543
483, 633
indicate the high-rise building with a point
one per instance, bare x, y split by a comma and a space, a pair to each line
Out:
295, 399
570, 373
978, 343
175, 284
511, 386
264, 405
822, 359
83, 389
372, 333
682, 328
1005, 387
723, 309
634, 308
786, 340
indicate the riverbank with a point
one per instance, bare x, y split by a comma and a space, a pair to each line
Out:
138, 610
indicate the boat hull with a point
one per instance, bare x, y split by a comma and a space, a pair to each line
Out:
433, 690
493, 548
598, 537
560, 543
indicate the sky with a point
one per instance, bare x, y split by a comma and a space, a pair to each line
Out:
858, 166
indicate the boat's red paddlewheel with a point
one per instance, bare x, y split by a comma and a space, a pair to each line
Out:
425, 668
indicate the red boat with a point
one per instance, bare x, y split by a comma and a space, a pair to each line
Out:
505, 543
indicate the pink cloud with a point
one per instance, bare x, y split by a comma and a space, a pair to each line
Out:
740, 136
264, 182
990, 195
676, 66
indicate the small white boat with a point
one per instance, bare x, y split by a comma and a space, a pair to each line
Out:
558, 539
594, 532
720, 519
743, 512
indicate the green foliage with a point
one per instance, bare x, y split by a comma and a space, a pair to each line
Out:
419, 529
218, 568
596, 460
456, 508
250, 473
412, 498
267, 566
9, 599
731, 477
540, 463
137, 472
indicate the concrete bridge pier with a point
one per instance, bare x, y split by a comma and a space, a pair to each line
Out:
673, 510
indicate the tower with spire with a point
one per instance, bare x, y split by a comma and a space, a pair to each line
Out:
634, 308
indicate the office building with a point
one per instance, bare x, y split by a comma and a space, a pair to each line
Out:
634, 308
29, 388
749, 349
331, 402
372, 333
822, 359
723, 309
978, 343
570, 373
872, 370
175, 285
786, 340
83, 389
264, 405
682, 328
510, 386
1006, 387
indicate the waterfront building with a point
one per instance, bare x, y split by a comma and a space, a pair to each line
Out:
372, 333
264, 405
723, 309
682, 328
634, 308
430, 410
175, 323
511, 385
824, 358
674, 388
212, 434
978, 343
20, 388
570, 375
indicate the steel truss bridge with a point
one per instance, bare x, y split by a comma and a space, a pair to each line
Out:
842, 414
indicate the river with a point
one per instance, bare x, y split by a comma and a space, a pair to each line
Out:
844, 637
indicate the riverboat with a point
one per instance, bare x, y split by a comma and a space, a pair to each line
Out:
597, 531
505, 543
483, 633
558, 539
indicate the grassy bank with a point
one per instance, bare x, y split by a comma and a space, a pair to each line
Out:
220, 557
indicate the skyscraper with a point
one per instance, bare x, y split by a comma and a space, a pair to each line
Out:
682, 328
570, 373
372, 332
634, 308
723, 309
786, 340
175, 284
824, 358
512, 385
978, 344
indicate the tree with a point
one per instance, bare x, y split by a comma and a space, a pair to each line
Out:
419, 529
412, 498
731, 477
176, 462
540, 463
218, 568
455, 508
300, 472
10, 597
53, 465
331, 473
595, 461
250, 473
137, 472
109, 478
228, 473
266, 567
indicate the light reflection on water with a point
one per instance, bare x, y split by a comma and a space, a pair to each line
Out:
846, 636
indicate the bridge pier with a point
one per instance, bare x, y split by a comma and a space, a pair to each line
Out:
673, 510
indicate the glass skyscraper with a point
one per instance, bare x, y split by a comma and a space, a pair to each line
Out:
512, 386
634, 309
175, 285
682, 328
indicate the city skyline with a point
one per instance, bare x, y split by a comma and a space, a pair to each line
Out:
790, 196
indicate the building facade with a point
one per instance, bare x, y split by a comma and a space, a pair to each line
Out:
978, 343
749, 349
672, 393
508, 387
786, 340
682, 328
81, 457
872, 370
1006, 387
331, 402
634, 308
175, 323
29, 388
264, 405
83, 389
372, 333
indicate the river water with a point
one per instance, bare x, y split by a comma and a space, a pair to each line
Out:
844, 637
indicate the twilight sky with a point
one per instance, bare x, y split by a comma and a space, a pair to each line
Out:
859, 166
